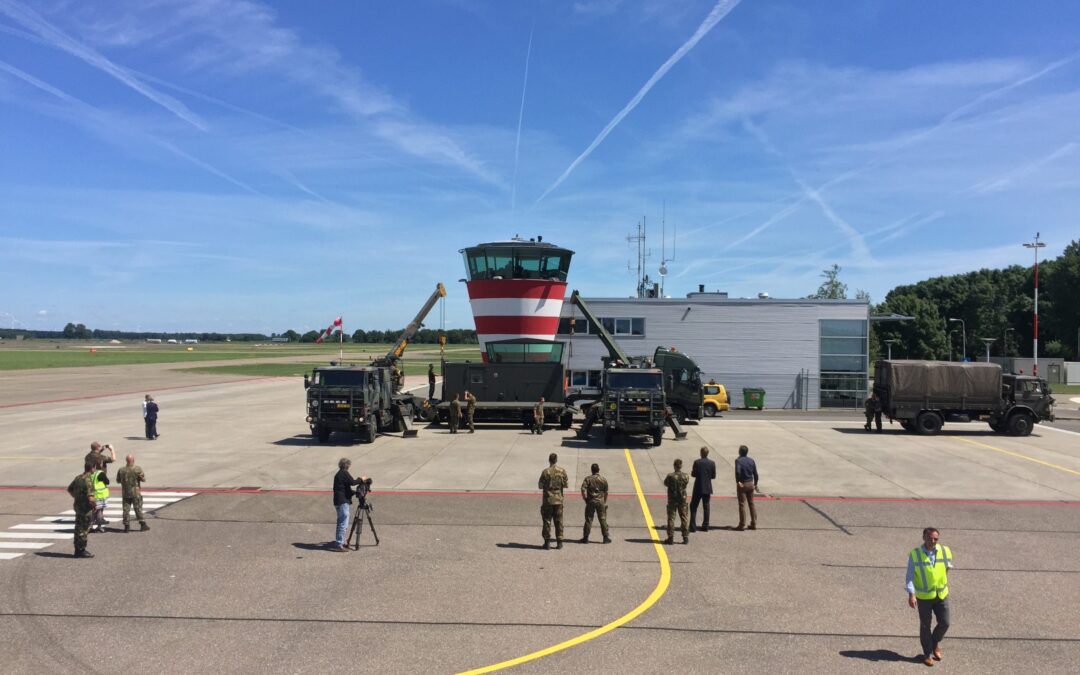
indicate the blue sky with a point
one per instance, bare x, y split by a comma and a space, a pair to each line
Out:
215, 165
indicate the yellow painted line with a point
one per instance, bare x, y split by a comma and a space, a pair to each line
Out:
1017, 454
661, 588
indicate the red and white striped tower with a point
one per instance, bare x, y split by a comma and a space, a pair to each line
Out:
516, 289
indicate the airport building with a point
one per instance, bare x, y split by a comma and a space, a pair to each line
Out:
803, 353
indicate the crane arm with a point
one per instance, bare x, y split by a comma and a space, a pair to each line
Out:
414, 326
614, 350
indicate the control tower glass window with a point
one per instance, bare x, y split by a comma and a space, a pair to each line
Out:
517, 262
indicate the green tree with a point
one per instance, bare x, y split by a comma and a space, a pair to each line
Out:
310, 336
832, 288
292, 335
923, 338
69, 331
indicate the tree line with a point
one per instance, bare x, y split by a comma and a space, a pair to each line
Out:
78, 331
987, 303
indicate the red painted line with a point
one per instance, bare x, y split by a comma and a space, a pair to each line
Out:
138, 391
534, 495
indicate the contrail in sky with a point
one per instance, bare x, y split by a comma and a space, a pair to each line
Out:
95, 112
719, 11
53, 35
521, 116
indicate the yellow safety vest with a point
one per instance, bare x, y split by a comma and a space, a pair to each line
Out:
931, 581
101, 490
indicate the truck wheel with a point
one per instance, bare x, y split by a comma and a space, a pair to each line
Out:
566, 421
609, 436
907, 425
998, 428
710, 410
928, 424
680, 414
368, 434
657, 437
323, 433
1020, 424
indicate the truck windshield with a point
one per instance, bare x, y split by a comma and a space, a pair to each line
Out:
337, 378
634, 380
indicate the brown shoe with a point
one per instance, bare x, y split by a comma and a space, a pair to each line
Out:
339, 549
753, 526
937, 653
928, 661
740, 528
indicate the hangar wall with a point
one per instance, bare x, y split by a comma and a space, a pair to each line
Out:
773, 344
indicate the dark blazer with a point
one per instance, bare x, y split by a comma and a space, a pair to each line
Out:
703, 472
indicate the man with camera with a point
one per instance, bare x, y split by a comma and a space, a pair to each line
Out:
343, 494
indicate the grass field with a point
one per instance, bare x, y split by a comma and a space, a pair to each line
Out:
415, 367
77, 354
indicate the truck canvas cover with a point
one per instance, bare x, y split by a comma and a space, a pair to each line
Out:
940, 381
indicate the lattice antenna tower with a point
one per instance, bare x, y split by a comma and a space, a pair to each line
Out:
643, 254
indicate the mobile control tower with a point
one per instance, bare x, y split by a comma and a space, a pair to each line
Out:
516, 289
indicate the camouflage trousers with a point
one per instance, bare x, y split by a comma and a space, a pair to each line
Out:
684, 518
129, 503
469, 420
82, 528
454, 424
552, 512
600, 510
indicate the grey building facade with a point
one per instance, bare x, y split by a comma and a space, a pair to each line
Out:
803, 353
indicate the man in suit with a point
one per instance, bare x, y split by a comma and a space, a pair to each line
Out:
703, 472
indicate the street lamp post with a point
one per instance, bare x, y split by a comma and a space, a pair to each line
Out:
963, 334
988, 342
950, 343
1035, 344
890, 342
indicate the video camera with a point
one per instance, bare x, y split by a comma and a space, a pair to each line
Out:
361, 492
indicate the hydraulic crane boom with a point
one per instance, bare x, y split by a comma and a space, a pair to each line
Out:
414, 326
614, 350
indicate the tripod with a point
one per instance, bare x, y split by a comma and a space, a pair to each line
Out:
362, 509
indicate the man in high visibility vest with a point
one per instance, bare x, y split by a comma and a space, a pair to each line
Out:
101, 497
927, 587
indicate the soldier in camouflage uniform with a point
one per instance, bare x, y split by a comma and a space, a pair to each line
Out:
129, 478
552, 481
538, 417
470, 410
455, 414
98, 457
82, 491
676, 482
594, 490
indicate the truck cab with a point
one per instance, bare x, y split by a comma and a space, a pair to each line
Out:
1026, 397
349, 399
633, 403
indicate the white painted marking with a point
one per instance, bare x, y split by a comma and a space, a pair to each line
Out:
1060, 431
9, 556
24, 544
147, 493
35, 526
36, 535
55, 519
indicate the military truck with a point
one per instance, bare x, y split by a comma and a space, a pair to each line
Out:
365, 399
509, 384
632, 399
924, 395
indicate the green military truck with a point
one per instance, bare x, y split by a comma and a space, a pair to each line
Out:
925, 395
364, 400
357, 400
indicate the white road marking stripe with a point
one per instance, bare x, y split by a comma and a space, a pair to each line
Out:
24, 544
55, 519
147, 493
9, 556
34, 526
36, 535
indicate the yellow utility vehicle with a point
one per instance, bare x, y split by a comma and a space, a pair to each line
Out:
716, 399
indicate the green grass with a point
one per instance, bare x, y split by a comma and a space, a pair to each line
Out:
1065, 389
77, 354
415, 367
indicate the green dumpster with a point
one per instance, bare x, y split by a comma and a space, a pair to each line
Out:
753, 398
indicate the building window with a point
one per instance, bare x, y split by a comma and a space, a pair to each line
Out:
615, 326
843, 353
585, 378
